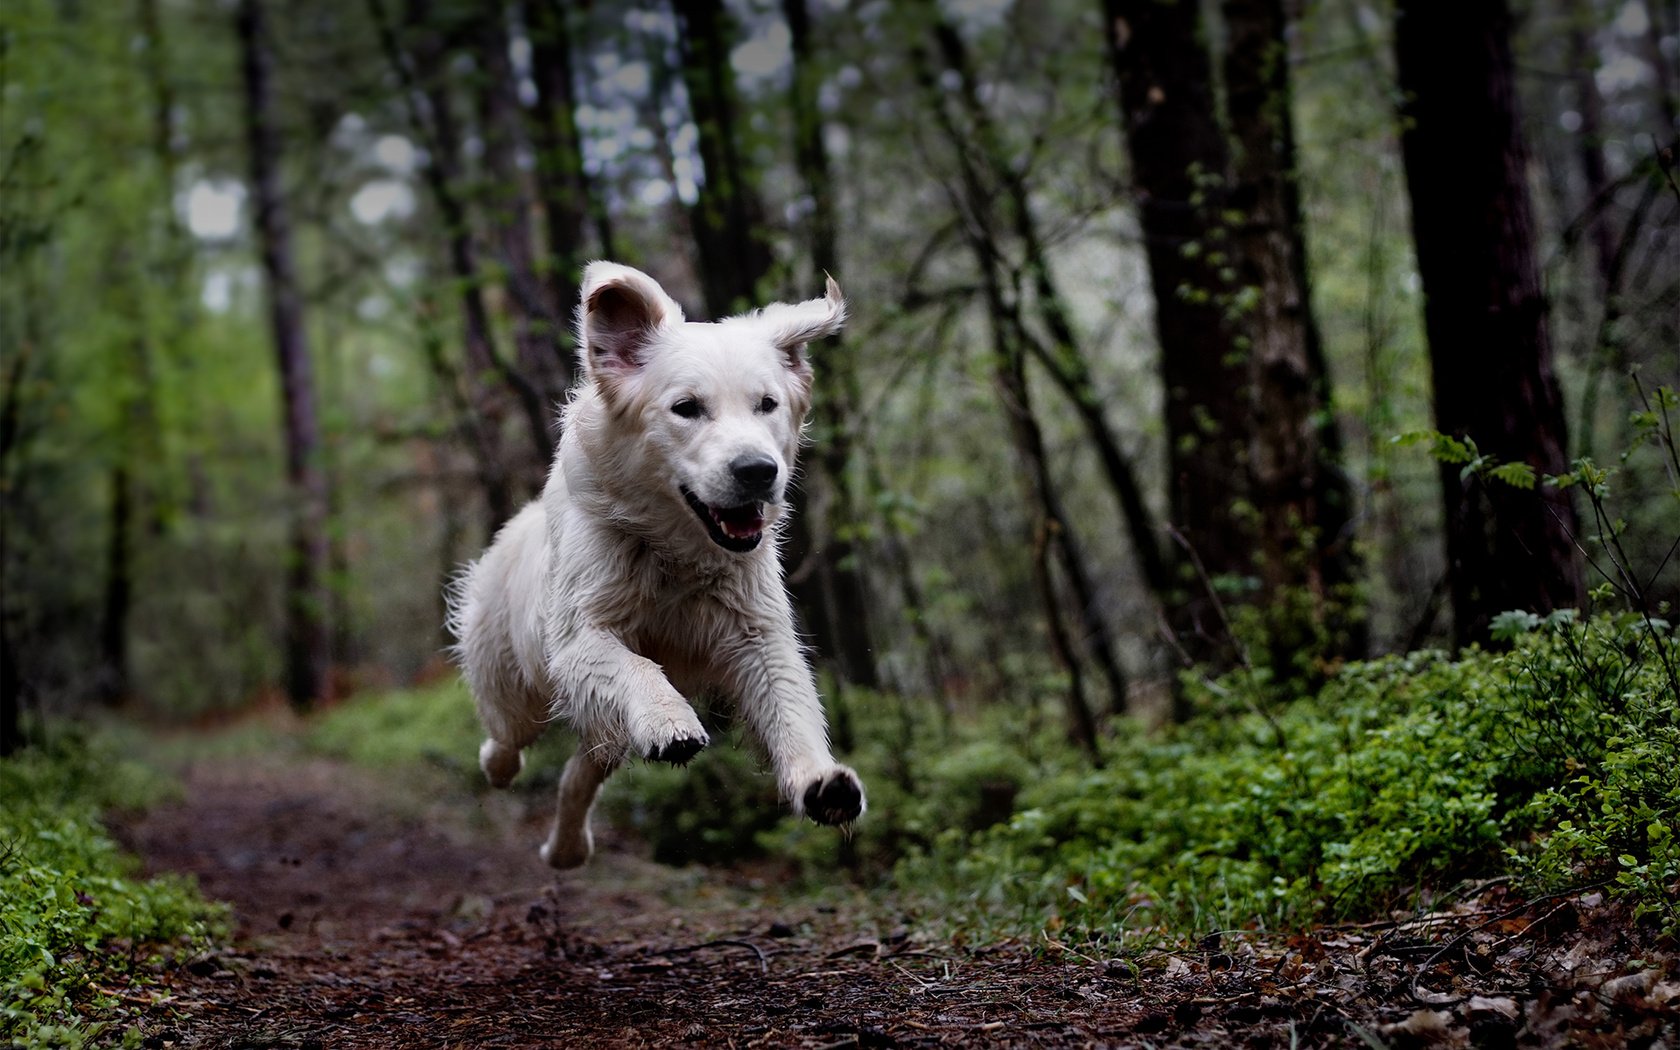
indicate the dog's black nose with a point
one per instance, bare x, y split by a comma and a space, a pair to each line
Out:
754, 472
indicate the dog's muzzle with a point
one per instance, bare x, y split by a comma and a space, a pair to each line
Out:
739, 528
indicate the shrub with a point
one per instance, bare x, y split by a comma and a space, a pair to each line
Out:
75, 921
1399, 776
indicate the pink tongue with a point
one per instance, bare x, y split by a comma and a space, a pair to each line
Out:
739, 524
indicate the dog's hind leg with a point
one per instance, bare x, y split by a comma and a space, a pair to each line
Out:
570, 843
511, 724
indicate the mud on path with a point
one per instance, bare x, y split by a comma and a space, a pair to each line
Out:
368, 918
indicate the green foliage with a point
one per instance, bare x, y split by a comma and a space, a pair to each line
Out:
1399, 777
711, 811
75, 921
430, 725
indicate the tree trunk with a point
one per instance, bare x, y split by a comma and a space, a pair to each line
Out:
306, 635
11, 678
728, 219
1179, 159
1051, 527
542, 347
1301, 497
562, 185
422, 74
834, 579
1062, 358
119, 589
1484, 314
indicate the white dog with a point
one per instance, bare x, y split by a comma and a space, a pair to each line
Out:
642, 574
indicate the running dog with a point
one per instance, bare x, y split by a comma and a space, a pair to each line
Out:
648, 569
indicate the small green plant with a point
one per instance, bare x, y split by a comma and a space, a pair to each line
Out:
76, 923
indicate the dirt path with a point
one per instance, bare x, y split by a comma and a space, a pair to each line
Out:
369, 919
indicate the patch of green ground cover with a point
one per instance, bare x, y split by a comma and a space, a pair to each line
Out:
77, 925
1553, 761
429, 725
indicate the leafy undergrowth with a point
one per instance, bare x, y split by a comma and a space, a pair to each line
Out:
1552, 762
81, 936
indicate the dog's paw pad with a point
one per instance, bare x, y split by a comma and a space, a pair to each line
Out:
835, 799
678, 751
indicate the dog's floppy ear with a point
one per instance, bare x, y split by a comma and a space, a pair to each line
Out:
619, 312
793, 325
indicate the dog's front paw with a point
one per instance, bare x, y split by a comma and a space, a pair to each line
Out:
674, 738
836, 798
678, 751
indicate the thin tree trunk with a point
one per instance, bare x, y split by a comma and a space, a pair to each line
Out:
1484, 313
838, 579
421, 74
1302, 501
306, 636
1179, 160
541, 343
562, 185
11, 432
729, 228
1051, 530
1051, 526
1062, 359
119, 590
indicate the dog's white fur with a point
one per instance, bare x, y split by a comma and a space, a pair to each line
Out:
608, 599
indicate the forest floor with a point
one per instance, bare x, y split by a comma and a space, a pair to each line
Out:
368, 913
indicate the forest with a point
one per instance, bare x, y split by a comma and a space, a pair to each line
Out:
1237, 532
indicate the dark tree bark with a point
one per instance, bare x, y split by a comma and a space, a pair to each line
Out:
821, 552
542, 346
562, 185
119, 590
11, 432
1484, 313
306, 599
1301, 495
728, 218
1179, 159
11, 697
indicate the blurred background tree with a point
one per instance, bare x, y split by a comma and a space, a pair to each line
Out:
1140, 294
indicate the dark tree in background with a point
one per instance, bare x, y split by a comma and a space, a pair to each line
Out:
306, 597
1300, 492
1256, 490
826, 570
1179, 158
728, 217
562, 186
1484, 312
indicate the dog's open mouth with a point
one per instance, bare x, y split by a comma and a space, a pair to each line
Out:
737, 529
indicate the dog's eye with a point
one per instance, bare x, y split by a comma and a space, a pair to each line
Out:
688, 408
767, 405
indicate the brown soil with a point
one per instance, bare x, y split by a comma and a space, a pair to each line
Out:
367, 918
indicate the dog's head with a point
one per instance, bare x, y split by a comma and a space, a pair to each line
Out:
715, 409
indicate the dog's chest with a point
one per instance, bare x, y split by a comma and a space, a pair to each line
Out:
680, 621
